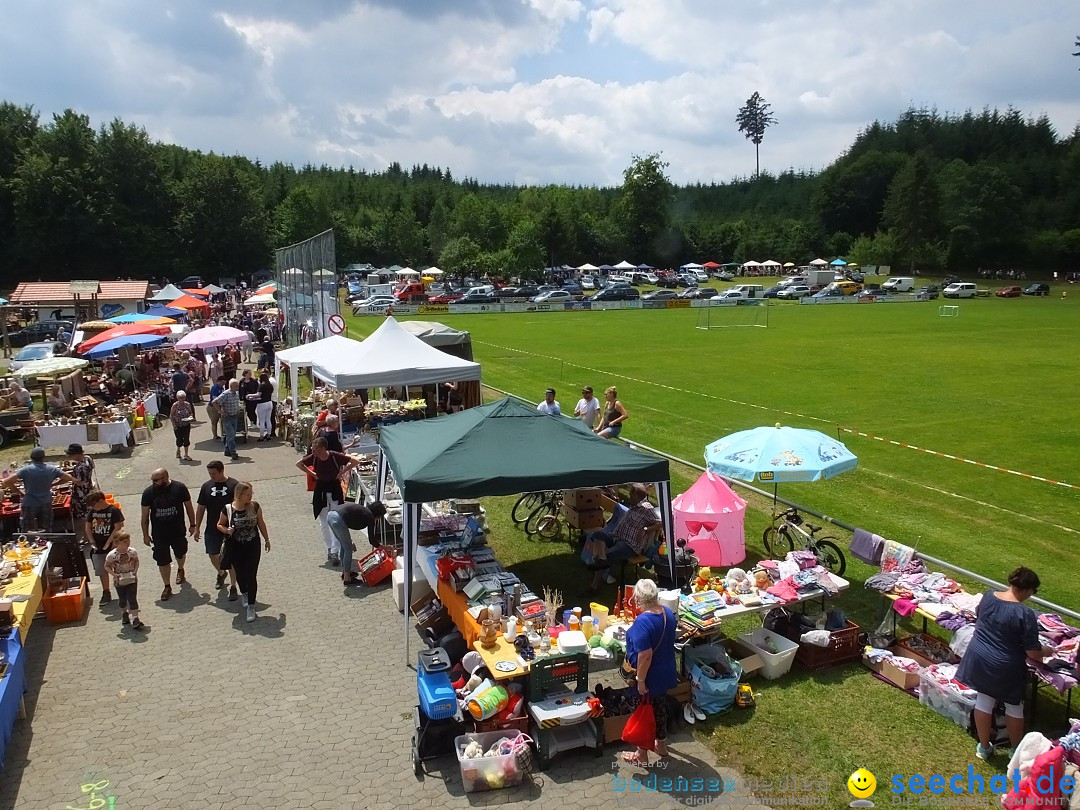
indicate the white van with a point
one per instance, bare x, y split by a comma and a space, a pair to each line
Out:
899, 284
750, 290
960, 289
481, 289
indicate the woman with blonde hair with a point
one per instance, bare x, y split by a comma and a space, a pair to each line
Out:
242, 522
614, 414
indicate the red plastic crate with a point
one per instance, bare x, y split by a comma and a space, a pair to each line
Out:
377, 566
67, 606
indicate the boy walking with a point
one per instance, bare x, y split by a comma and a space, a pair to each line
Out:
122, 563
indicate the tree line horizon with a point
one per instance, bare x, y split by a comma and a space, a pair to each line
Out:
928, 192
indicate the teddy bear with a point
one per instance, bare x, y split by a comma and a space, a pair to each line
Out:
704, 575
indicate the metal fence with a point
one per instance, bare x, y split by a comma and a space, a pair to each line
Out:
307, 287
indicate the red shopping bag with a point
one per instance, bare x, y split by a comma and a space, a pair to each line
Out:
640, 729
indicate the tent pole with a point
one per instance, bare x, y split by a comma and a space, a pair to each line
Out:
663, 495
410, 526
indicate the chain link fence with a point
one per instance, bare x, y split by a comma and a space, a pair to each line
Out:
307, 287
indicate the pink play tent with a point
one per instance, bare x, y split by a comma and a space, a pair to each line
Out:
710, 516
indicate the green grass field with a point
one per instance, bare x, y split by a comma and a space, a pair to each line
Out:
996, 384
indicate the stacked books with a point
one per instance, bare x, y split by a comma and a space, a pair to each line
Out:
703, 609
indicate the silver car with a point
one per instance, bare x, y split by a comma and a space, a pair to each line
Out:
32, 352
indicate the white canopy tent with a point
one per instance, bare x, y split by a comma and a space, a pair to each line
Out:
693, 266
588, 268
771, 263
819, 262
408, 271
751, 263
433, 271
392, 356
625, 265
304, 355
170, 292
265, 298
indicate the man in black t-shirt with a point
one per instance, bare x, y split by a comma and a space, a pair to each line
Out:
164, 503
214, 495
102, 522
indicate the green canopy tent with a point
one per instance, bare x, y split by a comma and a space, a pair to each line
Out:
504, 448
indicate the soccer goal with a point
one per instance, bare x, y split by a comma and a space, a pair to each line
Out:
725, 316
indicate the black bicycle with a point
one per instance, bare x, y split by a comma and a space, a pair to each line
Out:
787, 527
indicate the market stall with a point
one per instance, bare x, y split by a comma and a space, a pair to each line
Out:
503, 448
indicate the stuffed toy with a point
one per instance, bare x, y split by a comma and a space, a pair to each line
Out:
704, 575
473, 750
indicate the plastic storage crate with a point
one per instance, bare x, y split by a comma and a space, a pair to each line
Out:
377, 566
67, 605
773, 664
947, 699
487, 773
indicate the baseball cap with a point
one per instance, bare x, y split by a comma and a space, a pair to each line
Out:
550, 391
587, 388
74, 449
37, 454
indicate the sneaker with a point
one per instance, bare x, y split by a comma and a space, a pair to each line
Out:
688, 714
251, 613
698, 713
165, 594
983, 753
106, 597
233, 595
243, 600
137, 625
220, 582
335, 560
125, 619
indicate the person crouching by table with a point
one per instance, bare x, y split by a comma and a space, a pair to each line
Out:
995, 664
346, 516
650, 651
326, 468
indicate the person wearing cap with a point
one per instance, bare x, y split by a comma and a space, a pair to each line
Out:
550, 405
37, 478
587, 408
83, 484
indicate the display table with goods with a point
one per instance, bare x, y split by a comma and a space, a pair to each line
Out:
12, 685
22, 570
925, 665
95, 422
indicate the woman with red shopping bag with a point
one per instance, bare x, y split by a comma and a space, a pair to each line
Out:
650, 650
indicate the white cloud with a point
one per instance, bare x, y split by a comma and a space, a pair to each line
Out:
535, 90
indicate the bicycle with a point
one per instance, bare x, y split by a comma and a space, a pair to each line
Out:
780, 537
525, 505
545, 520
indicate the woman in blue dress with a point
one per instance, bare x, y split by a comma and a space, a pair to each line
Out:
650, 650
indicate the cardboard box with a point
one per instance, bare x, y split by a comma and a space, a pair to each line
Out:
436, 620
748, 659
897, 676
681, 691
582, 499
613, 728
903, 649
584, 519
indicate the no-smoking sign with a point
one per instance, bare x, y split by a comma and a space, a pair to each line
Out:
336, 324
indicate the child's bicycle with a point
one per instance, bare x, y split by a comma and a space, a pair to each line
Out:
544, 518
787, 528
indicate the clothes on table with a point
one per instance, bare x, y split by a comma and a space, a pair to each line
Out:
894, 555
954, 621
883, 582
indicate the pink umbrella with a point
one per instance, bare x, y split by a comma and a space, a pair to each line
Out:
710, 516
212, 336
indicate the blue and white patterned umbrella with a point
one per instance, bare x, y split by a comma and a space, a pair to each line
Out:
777, 454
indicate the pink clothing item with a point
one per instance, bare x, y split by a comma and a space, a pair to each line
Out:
785, 589
905, 607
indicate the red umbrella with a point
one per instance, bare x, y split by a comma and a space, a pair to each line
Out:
122, 330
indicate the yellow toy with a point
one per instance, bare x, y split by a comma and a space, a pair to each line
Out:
704, 574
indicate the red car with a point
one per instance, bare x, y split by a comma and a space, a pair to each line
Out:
445, 298
1009, 292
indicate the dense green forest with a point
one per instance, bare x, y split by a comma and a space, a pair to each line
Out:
931, 192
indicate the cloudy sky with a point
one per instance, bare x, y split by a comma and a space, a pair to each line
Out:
534, 91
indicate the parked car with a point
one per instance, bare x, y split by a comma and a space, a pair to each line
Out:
724, 275
1009, 292
525, 291
39, 331
573, 288
552, 297
380, 301
651, 278
829, 292
685, 281
945, 282
617, 292
660, 295
34, 351
772, 292
670, 281
588, 283
701, 292
617, 280
1038, 289
960, 289
445, 297
928, 291
787, 282
793, 292
191, 283
478, 298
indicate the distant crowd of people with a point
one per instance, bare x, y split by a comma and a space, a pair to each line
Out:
604, 419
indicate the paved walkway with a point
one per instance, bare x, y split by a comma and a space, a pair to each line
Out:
309, 707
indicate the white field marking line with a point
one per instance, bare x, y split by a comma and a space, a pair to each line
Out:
956, 458
973, 500
655, 384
